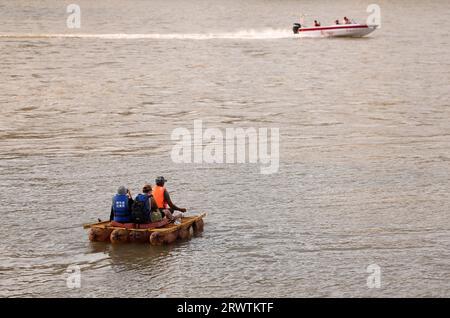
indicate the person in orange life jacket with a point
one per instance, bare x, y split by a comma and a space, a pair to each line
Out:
121, 206
162, 200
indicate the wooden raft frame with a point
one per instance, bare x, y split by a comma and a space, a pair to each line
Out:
168, 228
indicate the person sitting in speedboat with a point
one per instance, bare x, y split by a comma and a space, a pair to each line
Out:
347, 21
337, 22
316, 24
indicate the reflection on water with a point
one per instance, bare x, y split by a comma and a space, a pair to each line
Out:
136, 257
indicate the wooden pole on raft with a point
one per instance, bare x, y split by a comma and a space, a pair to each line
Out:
88, 225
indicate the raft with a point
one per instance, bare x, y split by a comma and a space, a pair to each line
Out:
158, 233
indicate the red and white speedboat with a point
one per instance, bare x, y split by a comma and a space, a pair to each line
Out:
337, 30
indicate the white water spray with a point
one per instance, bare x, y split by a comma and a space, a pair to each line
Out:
238, 35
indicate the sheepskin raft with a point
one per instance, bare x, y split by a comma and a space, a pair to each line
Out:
157, 233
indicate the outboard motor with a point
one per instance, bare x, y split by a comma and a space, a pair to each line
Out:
296, 27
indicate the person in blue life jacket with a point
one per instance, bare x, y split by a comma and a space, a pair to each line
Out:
142, 206
121, 206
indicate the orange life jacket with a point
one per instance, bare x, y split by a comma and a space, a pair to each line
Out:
158, 195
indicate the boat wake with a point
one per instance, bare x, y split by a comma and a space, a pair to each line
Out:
238, 35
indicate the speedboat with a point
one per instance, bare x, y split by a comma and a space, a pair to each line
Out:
337, 30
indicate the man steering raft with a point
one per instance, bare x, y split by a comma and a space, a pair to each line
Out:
162, 200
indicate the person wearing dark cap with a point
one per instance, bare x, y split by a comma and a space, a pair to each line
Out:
121, 206
141, 210
163, 201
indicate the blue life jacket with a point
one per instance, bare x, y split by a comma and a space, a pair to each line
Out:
140, 212
121, 209
144, 198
